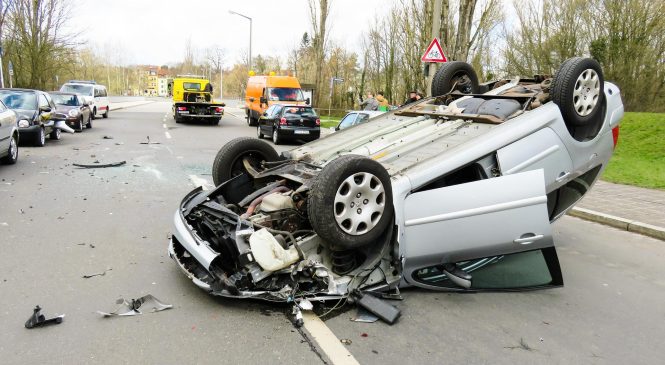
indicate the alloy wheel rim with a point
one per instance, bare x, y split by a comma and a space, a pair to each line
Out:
13, 150
274, 136
42, 136
586, 92
359, 203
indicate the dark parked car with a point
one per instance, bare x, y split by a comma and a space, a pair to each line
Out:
72, 109
8, 136
292, 122
33, 109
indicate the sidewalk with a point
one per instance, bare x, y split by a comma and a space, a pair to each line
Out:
626, 207
128, 104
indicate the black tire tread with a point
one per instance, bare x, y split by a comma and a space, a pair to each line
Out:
443, 76
230, 151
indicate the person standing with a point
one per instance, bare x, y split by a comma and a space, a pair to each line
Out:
384, 105
413, 97
370, 103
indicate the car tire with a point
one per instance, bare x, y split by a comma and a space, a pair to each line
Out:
94, 113
335, 204
455, 75
275, 136
229, 160
12, 152
40, 138
89, 124
106, 113
55, 134
578, 90
79, 125
259, 134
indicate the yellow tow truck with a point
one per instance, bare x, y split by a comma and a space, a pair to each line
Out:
192, 100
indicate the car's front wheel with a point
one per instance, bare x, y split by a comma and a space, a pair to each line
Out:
350, 202
40, 138
12, 153
94, 113
89, 124
230, 160
79, 125
55, 134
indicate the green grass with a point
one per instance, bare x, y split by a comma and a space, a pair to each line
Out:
639, 158
328, 122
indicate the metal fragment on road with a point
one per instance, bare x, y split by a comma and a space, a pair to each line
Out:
364, 316
97, 165
88, 276
39, 320
131, 308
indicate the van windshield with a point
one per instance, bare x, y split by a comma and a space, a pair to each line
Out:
285, 94
191, 86
77, 89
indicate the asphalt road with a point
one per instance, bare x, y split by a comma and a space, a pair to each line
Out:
58, 223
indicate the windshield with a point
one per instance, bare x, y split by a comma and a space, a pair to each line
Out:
296, 111
78, 89
19, 100
191, 86
68, 100
285, 94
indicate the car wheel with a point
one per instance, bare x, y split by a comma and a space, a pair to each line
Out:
350, 202
577, 89
40, 139
106, 113
79, 126
94, 113
213, 121
258, 132
12, 153
89, 124
229, 160
455, 76
275, 136
55, 134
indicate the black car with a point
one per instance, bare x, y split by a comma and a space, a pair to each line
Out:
33, 109
289, 122
72, 109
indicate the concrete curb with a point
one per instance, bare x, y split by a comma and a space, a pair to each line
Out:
618, 222
113, 107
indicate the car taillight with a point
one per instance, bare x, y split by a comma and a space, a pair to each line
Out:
318, 121
615, 136
182, 108
282, 121
219, 109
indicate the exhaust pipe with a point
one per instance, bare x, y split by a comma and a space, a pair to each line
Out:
63, 127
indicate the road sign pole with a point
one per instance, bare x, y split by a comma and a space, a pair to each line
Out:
436, 26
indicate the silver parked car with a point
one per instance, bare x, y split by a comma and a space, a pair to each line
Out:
455, 192
8, 135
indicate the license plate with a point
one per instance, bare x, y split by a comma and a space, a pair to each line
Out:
301, 132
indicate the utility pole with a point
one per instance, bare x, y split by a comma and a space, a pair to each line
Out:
221, 76
2, 77
436, 26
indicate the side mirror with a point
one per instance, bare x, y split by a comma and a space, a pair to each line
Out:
263, 100
307, 101
44, 109
265, 114
251, 99
223, 104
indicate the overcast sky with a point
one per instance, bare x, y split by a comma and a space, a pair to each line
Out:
155, 32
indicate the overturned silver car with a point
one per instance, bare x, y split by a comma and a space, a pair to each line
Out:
456, 192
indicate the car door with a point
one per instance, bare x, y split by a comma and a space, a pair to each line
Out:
347, 121
275, 116
264, 121
498, 224
44, 108
6, 127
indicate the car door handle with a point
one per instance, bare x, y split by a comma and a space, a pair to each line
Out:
528, 238
562, 176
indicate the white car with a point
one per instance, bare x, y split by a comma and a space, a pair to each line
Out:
357, 117
94, 94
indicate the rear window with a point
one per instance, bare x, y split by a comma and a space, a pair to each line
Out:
191, 86
19, 100
77, 89
298, 111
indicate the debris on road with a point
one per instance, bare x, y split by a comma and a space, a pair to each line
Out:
346, 341
379, 307
148, 141
126, 308
39, 320
363, 316
98, 165
107, 137
97, 274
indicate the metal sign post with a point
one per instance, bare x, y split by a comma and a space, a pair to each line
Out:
11, 74
333, 80
2, 78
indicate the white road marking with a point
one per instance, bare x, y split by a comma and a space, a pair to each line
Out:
327, 341
235, 115
203, 183
168, 135
164, 125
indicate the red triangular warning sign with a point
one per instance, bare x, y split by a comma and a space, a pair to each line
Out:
434, 53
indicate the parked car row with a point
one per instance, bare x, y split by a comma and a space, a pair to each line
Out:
27, 116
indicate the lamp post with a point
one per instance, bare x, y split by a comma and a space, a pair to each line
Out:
250, 35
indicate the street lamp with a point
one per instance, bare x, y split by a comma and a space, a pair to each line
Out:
250, 35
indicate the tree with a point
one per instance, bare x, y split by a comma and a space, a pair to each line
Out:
318, 11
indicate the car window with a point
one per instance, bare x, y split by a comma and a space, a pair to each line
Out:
362, 119
43, 102
285, 94
67, 100
2, 107
78, 89
270, 110
348, 121
19, 100
103, 93
299, 111
277, 111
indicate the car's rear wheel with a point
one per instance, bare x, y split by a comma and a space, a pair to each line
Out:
577, 89
40, 138
12, 153
106, 113
455, 76
55, 134
230, 160
275, 136
350, 202
259, 135
94, 113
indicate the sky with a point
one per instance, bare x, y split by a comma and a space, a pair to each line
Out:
155, 32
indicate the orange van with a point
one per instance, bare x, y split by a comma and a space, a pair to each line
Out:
264, 91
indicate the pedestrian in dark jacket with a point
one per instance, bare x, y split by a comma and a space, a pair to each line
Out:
413, 97
370, 103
